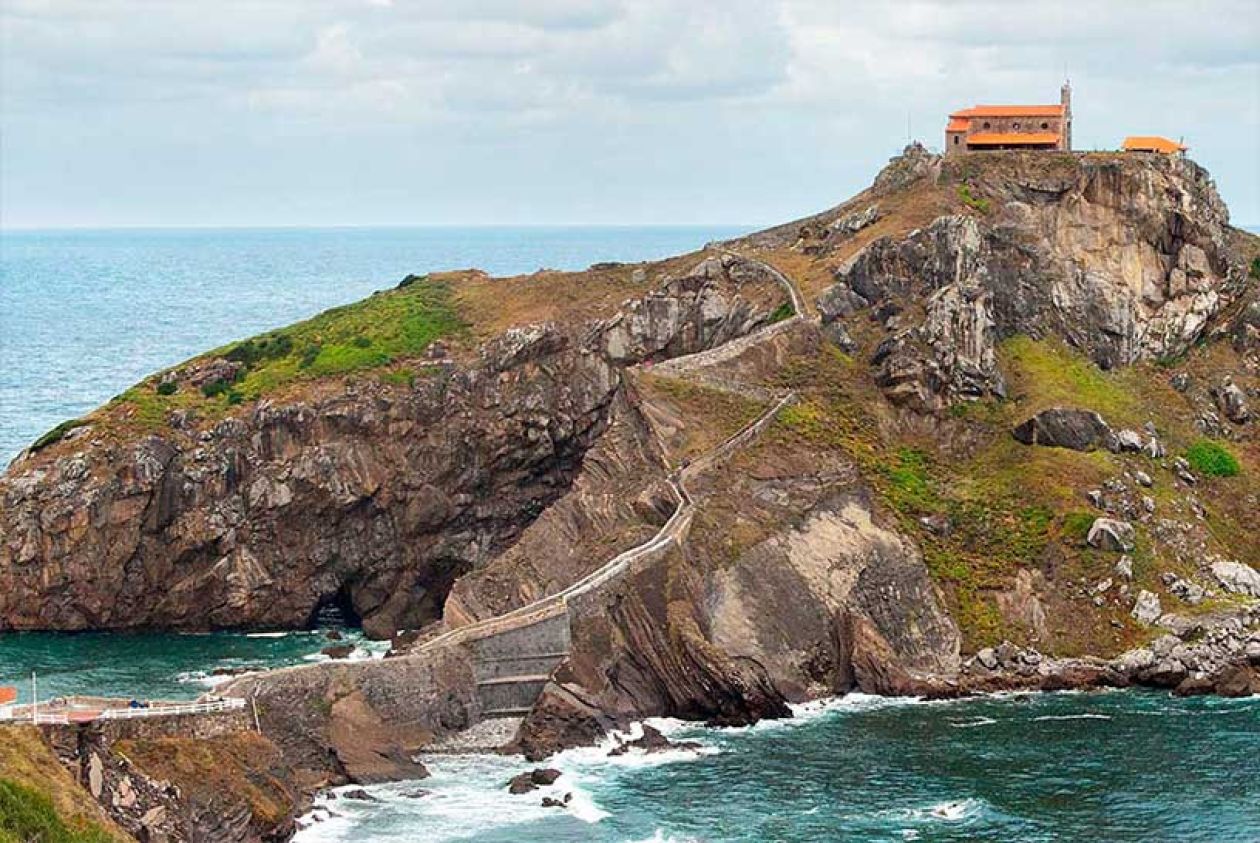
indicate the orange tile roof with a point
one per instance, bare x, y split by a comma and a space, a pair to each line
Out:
957, 125
8, 694
1010, 111
1012, 138
1152, 143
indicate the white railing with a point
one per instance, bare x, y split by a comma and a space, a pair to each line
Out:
63, 716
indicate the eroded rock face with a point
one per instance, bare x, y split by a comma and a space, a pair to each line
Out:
1125, 260
368, 495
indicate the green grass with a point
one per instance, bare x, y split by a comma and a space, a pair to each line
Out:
1212, 458
386, 327
57, 434
1047, 373
28, 816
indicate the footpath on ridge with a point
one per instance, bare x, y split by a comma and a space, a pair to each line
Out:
516, 652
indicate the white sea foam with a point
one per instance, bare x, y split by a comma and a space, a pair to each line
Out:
952, 811
1085, 716
266, 634
973, 723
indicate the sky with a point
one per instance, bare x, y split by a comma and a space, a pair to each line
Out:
517, 112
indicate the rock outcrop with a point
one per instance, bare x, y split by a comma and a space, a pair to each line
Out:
1126, 260
370, 496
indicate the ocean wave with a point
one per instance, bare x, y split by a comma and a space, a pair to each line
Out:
1089, 715
950, 811
973, 723
267, 634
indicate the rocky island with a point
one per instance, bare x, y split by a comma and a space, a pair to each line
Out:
989, 424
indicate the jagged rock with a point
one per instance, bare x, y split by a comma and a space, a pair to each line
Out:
1143, 479
651, 741
839, 302
1124, 567
1111, 534
836, 332
856, 221
532, 780
1236, 577
1147, 609
988, 658
1188, 591
359, 794
338, 651
1232, 402
1128, 440
522, 783
1059, 427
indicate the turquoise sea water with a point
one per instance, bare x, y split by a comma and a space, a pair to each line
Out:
85, 314
1108, 766
156, 665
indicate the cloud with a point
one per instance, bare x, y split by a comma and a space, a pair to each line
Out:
801, 97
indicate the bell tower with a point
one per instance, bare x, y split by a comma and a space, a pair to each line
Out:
1065, 99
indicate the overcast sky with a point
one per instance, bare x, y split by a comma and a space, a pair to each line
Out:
361, 112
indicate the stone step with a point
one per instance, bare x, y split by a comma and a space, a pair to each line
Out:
505, 713
516, 665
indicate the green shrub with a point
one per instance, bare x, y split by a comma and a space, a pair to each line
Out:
215, 388
167, 388
971, 200
361, 342
1212, 458
56, 434
266, 347
28, 815
783, 311
1255, 268
308, 356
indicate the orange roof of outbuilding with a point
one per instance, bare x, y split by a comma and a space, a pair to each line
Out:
1152, 143
1012, 138
1010, 111
8, 694
957, 125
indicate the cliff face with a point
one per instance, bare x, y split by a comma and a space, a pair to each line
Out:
1021, 427
1126, 259
364, 493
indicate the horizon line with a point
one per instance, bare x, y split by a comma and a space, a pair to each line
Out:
6, 229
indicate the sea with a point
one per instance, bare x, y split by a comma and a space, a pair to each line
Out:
84, 314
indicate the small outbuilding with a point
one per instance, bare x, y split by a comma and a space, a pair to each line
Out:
1153, 143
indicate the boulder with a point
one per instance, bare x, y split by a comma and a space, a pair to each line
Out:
652, 741
522, 783
1147, 609
338, 651
1232, 402
1059, 427
1111, 534
1237, 681
840, 301
534, 779
360, 795
1128, 441
1236, 577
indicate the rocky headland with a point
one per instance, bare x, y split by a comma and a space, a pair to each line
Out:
990, 424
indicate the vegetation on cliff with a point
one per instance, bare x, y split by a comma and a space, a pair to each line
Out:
40, 800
